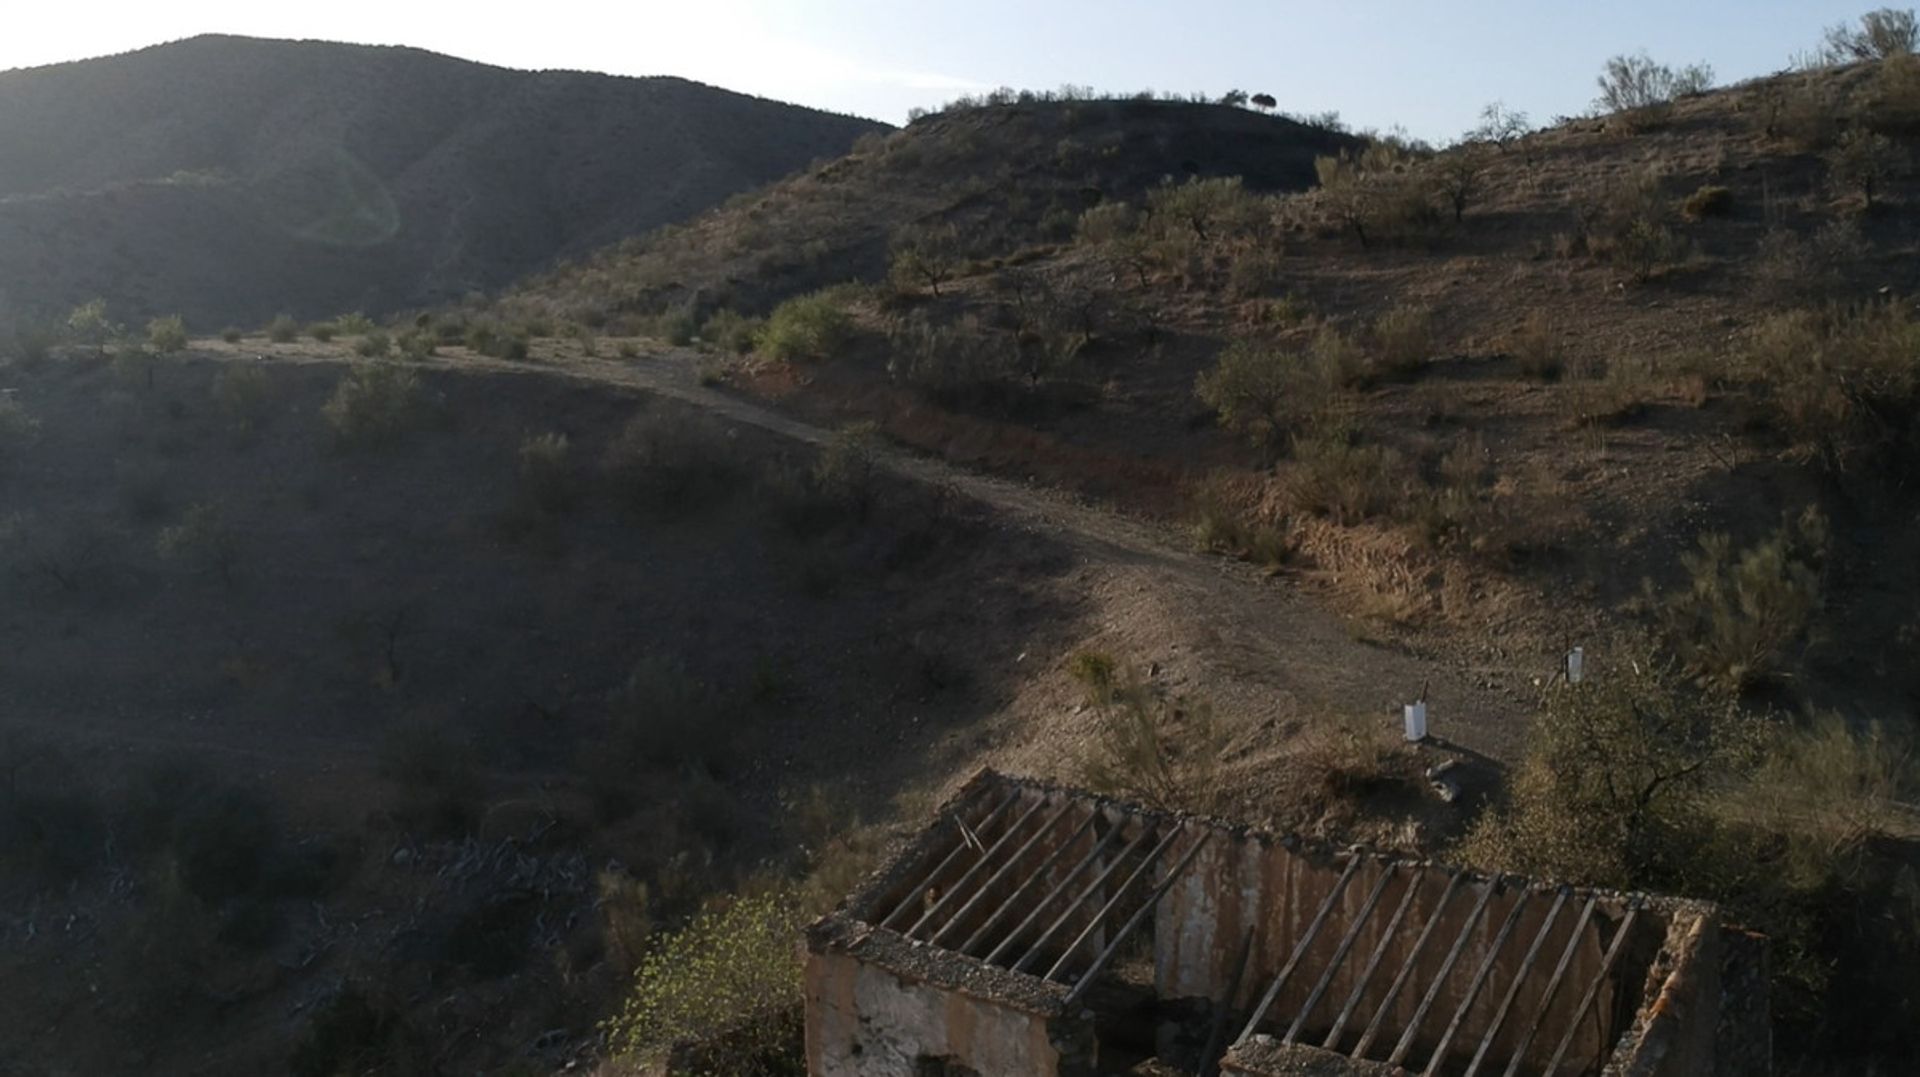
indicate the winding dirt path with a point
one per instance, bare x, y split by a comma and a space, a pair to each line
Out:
1278, 647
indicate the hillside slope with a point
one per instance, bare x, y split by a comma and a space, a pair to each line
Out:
1002, 179
229, 178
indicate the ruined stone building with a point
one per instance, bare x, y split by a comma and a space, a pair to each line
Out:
1033, 931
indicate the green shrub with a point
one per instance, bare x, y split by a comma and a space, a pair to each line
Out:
1267, 393
1890, 103
1346, 482
1161, 750
959, 364
1746, 614
847, 471
1863, 161
1208, 209
418, 343
232, 335
1223, 523
167, 336
659, 722
283, 329
1618, 774
374, 403
1791, 268
1710, 200
671, 458
730, 331
324, 332
355, 324
806, 327
374, 344
676, 327
1377, 194
89, 326
1885, 33
1097, 673
1839, 385
1107, 222
727, 985
241, 395
928, 255
1641, 89
1402, 341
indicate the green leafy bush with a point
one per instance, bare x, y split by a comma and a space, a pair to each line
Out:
811, 326
1107, 222
1840, 385
1402, 341
242, 396
374, 344
1268, 393
723, 993
672, 459
1346, 482
1619, 770
168, 335
283, 329
730, 331
1161, 750
1745, 614
89, 326
374, 403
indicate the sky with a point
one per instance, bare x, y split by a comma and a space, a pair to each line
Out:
1428, 66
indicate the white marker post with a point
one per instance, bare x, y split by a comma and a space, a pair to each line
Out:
1416, 716
1576, 665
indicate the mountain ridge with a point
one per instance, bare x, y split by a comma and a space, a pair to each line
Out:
447, 175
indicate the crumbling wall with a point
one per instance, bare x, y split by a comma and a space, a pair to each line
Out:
1673, 1034
864, 1021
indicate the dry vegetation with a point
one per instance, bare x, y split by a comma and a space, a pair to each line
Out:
1644, 381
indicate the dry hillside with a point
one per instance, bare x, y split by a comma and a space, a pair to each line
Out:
1641, 382
228, 179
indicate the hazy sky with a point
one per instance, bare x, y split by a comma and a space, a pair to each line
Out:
1428, 65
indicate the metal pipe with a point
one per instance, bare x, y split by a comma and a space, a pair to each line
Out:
1099, 880
1013, 858
1339, 955
1133, 922
1553, 985
1479, 981
1144, 869
1058, 889
1034, 879
1593, 989
1440, 980
1373, 963
938, 869
1519, 977
959, 886
1299, 950
1406, 967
